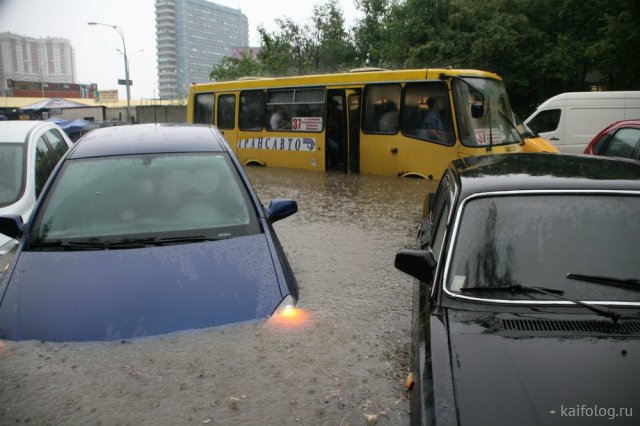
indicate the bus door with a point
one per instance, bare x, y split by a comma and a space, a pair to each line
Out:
336, 135
353, 102
226, 118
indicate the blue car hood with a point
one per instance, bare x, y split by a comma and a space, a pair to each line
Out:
120, 294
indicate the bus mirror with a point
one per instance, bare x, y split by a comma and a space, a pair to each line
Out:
477, 110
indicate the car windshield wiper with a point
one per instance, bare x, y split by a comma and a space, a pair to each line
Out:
125, 243
518, 288
513, 126
67, 245
158, 241
628, 283
558, 294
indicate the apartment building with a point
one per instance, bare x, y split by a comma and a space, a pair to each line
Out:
191, 37
37, 60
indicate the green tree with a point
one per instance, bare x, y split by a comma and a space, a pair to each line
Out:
231, 68
370, 32
331, 45
616, 50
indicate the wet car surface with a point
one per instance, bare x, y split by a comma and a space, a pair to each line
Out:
620, 139
343, 361
528, 301
145, 230
29, 151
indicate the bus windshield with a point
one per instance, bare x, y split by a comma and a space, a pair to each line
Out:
484, 113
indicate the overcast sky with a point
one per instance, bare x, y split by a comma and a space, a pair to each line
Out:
98, 61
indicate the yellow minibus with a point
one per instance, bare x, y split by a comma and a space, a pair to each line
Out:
385, 122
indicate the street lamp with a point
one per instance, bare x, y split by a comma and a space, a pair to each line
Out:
126, 65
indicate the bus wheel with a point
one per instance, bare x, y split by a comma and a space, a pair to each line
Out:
255, 163
414, 175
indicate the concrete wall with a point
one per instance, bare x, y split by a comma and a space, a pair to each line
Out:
161, 114
89, 113
141, 114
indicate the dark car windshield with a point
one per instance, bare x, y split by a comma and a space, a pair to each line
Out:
129, 198
11, 172
536, 240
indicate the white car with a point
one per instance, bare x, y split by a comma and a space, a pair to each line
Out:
29, 151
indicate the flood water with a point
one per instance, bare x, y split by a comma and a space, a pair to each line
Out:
342, 362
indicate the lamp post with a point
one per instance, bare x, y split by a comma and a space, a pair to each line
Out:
126, 65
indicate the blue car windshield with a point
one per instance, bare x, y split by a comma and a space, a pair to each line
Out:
11, 172
127, 198
536, 240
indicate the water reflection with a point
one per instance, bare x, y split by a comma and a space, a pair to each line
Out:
346, 359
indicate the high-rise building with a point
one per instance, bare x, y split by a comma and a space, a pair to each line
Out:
41, 60
191, 37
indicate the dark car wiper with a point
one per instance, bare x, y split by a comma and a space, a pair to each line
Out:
628, 283
518, 288
558, 294
122, 244
181, 240
67, 245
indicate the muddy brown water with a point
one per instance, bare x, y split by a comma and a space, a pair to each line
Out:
342, 362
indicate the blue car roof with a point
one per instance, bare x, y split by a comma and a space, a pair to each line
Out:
148, 139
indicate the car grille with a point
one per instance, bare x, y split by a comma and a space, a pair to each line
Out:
572, 326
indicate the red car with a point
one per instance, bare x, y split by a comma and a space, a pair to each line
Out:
620, 139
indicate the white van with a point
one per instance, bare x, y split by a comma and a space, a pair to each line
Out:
571, 120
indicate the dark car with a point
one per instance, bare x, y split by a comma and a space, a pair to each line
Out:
144, 230
527, 304
620, 139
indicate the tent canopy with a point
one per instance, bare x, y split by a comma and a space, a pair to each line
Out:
52, 103
69, 126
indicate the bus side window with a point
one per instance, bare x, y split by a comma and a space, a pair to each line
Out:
279, 103
426, 112
251, 110
203, 108
381, 108
226, 112
295, 109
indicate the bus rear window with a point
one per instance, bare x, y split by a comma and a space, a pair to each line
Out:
203, 108
251, 110
295, 109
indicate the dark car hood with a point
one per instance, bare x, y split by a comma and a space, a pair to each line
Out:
503, 375
119, 294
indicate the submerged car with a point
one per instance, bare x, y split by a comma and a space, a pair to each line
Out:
144, 230
29, 151
527, 300
620, 139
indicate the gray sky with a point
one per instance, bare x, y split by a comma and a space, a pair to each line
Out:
97, 60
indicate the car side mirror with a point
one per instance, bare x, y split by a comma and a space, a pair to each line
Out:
419, 264
477, 110
11, 226
281, 208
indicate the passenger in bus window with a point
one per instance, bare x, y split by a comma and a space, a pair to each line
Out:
389, 120
432, 125
278, 120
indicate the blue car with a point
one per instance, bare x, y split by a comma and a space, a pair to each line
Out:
144, 230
